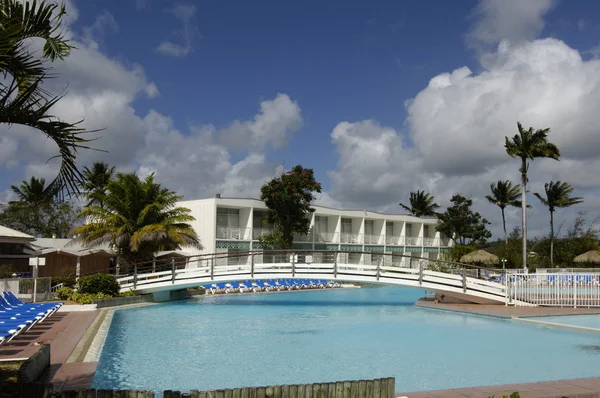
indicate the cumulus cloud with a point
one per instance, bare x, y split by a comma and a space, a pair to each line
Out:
272, 126
512, 20
184, 13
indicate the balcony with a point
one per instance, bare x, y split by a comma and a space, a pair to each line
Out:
351, 238
430, 242
324, 237
411, 241
374, 239
393, 240
258, 232
303, 237
233, 233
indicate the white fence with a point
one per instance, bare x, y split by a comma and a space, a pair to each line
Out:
572, 289
23, 288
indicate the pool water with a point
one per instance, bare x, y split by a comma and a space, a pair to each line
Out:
229, 341
589, 321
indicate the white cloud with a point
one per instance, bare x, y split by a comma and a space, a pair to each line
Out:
184, 13
277, 120
105, 23
512, 20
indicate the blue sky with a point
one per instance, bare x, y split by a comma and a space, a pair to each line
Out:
168, 80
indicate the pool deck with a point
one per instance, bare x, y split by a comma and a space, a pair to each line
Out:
581, 388
64, 331
507, 312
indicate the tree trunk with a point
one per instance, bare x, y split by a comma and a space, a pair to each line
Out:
524, 212
504, 225
551, 238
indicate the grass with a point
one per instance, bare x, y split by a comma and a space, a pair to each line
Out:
8, 378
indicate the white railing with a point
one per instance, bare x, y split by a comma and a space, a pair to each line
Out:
374, 239
351, 238
323, 265
233, 233
258, 232
555, 289
430, 242
393, 240
303, 237
411, 241
325, 236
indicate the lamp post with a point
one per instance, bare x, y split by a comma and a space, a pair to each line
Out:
503, 263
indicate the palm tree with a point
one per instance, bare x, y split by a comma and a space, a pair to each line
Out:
421, 204
138, 219
23, 101
504, 194
529, 145
95, 181
558, 194
34, 192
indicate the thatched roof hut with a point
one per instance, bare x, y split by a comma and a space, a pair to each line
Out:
481, 257
593, 256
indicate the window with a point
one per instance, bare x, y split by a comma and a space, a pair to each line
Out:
408, 231
368, 227
259, 219
426, 231
321, 224
228, 217
346, 226
389, 228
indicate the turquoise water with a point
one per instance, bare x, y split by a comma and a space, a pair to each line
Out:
590, 321
344, 334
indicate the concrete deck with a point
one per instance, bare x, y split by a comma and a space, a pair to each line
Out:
582, 388
63, 331
502, 311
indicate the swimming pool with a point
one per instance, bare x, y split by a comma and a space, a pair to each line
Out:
345, 334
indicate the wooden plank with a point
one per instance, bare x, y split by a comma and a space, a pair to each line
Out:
354, 389
285, 391
308, 391
244, 393
362, 388
277, 392
236, 393
377, 388
339, 389
220, 394
331, 390
316, 390
269, 391
347, 389
229, 393
194, 393
323, 390
260, 392
293, 391
370, 387
391, 387
252, 392
301, 388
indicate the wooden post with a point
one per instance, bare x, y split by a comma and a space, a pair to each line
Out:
420, 273
78, 269
252, 266
118, 266
293, 265
378, 269
464, 280
212, 267
335, 257
135, 277
173, 270
153, 264
377, 389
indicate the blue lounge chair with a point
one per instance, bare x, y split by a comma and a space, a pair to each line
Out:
262, 285
14, 300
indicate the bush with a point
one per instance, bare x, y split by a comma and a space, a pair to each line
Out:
129, 293
67, 281
6, 271
64, 293
88, 298
99, 283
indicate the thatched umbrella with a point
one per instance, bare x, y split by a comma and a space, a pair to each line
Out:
480, 256
593, 256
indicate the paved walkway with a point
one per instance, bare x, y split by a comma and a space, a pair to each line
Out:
581, 388
502, 311
63, 331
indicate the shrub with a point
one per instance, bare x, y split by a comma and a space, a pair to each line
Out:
67, 281
6, 271
88, 298
128, 293
64, 293
99, 283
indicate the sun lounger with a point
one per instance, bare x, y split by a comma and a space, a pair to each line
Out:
14, 301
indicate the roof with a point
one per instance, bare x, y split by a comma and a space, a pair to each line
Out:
43, 246
13, 234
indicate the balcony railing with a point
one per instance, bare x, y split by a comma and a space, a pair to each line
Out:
303, 237
374, 239
258, 232
411, 241
324, 236
233, 233
430, 242
351, 238
393, 240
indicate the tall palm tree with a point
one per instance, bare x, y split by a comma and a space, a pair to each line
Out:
529, 144
139, 218
421, 204
23, 101
34, 192
95, 181
558, 194
504, 194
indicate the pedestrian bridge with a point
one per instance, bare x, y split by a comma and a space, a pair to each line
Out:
451, 281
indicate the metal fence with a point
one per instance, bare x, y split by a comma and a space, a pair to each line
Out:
573, 289
23, 288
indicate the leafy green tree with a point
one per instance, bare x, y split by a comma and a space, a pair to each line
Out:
42, 219
138, 219
460, 222
23, 101
35, 191
95, 181
558, 195
529, 144
504, 194
421, 204
288, 198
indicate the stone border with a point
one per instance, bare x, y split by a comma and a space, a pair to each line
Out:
32, 369
96, 346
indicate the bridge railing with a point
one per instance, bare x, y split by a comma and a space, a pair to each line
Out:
341, 265
574, 289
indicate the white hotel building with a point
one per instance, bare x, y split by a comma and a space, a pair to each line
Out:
235, 224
